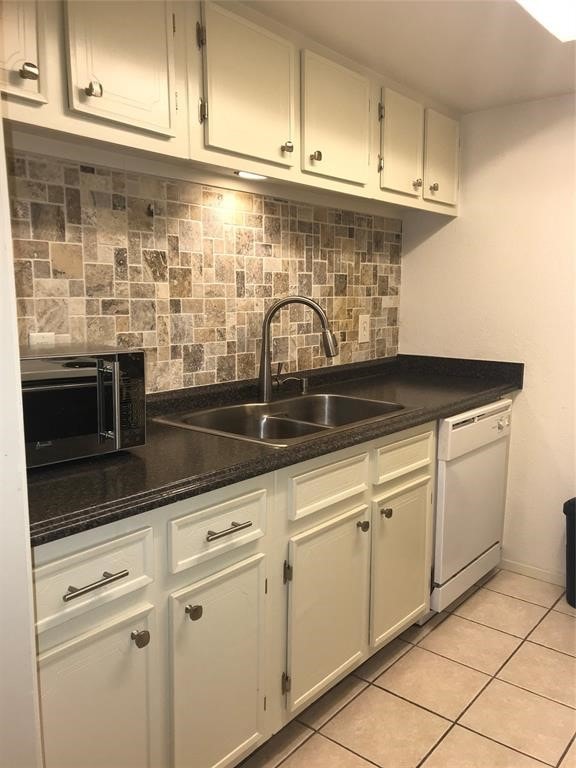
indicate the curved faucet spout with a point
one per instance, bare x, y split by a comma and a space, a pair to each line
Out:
328, 339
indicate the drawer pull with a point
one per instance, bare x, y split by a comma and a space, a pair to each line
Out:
107, 578
213, 535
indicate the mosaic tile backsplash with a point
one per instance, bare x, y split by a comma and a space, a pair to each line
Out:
186, 271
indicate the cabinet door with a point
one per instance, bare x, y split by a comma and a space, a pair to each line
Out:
120, 61
335, 120
441, 152
96, 697
402, 144
217, 664
20, 54
249, 87
400, 559
327, 604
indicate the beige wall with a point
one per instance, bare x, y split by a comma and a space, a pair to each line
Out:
499, 283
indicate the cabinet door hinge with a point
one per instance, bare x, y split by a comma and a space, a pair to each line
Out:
380, 111
265, 703
202, 111
380, 163
200, 35
176, 100
286, 683
288, 572
265, 586
173, 24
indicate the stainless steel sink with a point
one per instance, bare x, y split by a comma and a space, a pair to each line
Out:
285, 422
336, 410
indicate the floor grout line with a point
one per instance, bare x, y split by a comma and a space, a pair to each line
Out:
457, 720
514, 597
502, 744
563, 755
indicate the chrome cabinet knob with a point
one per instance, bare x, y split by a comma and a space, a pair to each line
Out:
434, 187
287, 147
141, 637
364, 525
94, 89
417, 183
29, 71
387, 512
194, 612
317, 155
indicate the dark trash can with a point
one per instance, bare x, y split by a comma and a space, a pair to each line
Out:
570, 512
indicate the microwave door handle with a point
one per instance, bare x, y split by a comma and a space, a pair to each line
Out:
104, 367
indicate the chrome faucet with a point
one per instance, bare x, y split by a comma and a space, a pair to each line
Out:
328, 340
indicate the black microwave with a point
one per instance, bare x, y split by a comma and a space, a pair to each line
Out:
81, 404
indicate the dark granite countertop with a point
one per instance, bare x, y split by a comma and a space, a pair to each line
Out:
179, 463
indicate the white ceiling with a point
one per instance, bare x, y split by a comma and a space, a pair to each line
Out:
466, 54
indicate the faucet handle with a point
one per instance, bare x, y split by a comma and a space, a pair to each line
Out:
276, 376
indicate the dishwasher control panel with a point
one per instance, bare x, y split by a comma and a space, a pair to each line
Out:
467, 431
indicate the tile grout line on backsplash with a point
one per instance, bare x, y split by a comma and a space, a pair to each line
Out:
186, 270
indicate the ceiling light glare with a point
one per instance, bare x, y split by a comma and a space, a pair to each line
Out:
557, 16
249, 175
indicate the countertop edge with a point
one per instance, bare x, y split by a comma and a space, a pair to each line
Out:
93, 517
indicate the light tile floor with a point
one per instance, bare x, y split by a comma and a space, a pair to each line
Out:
489, 683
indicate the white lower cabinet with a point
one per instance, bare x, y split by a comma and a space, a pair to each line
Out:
186, 636
327, 603
96, 696
217, 651
400, 571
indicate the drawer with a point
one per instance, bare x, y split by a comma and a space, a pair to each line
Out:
329, 484
404, 456
216, 529
72, 585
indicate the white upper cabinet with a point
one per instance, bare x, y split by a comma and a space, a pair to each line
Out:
21, 50
120, 62
419, 150
248, 88
441, 158
402, 143
335, 120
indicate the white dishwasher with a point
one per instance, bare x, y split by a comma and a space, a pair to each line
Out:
470, 499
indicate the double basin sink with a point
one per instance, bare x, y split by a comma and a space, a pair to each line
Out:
285, 422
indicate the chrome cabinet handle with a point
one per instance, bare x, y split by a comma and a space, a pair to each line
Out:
364, 525
107, 578
29, 71
417, 183
287, 147
434, 187
95, 89
141, 637
387, 512
317, 155
213, 535
194, 612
